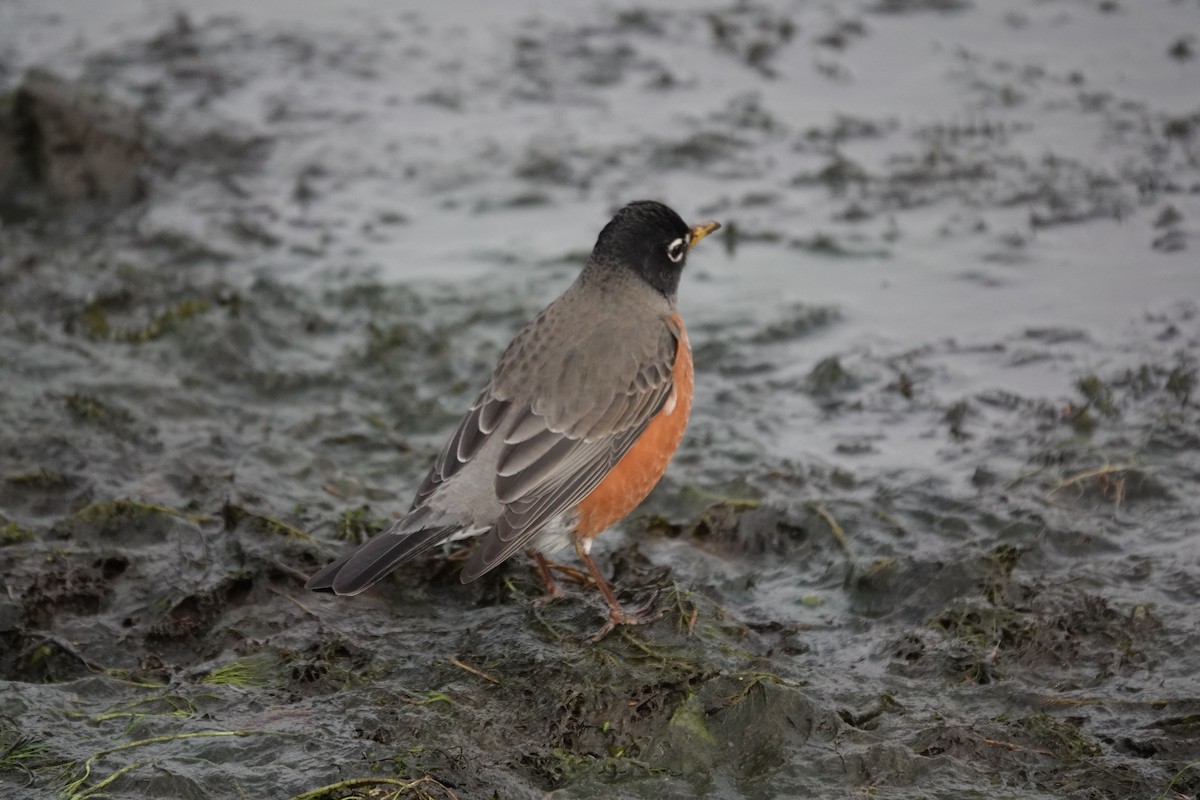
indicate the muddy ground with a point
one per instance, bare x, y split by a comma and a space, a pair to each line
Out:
935, 530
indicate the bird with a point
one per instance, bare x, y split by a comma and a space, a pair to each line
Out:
576, 425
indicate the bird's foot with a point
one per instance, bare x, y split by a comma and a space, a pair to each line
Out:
544, 567
572, 574
553, 592
617, 615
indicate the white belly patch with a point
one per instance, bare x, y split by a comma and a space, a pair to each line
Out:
559, 533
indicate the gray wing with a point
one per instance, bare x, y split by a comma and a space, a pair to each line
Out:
480, 421
559, 445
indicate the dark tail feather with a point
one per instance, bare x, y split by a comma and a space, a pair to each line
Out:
323, 580
375, 559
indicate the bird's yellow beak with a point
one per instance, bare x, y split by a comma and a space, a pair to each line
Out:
700, 230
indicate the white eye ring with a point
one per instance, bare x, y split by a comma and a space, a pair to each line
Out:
676, 249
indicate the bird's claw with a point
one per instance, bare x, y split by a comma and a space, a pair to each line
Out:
642, 615
552, 593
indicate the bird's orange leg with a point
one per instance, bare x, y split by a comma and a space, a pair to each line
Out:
547, 566
542, 567
570, 573
617, 615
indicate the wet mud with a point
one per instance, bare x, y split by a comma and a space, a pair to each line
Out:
935, 528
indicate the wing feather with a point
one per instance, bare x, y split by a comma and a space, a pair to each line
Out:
480, 421
516, 460
526, 427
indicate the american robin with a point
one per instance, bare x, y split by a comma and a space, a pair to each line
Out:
577, 424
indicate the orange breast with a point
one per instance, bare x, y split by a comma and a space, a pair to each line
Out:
627, 485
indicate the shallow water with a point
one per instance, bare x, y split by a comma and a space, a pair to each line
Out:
934, 529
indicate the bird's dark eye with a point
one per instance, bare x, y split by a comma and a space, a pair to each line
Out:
676, 249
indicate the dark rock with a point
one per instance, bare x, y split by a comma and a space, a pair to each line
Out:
63, 143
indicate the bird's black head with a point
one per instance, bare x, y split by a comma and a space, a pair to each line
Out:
652, 241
